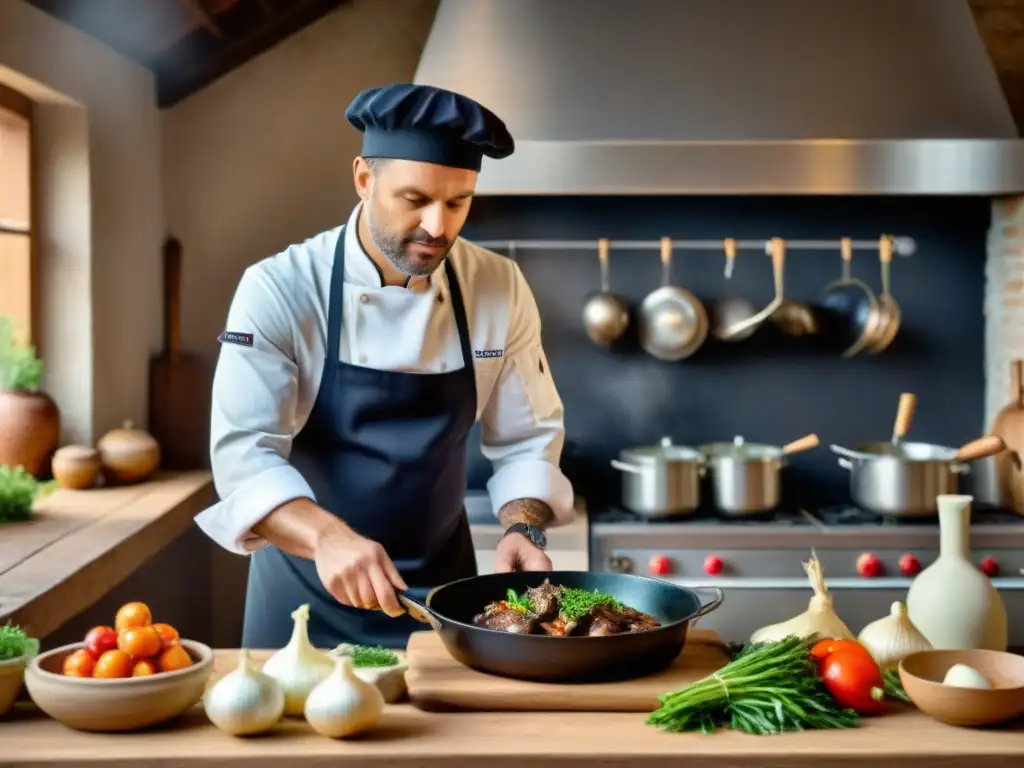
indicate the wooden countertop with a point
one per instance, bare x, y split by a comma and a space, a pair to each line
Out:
80, 544
408, 737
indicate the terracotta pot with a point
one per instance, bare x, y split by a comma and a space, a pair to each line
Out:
29, 431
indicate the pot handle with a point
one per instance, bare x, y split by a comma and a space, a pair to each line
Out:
805, 443
981, 448
845, 463
419, 611
839, 450
717, 598
624, 467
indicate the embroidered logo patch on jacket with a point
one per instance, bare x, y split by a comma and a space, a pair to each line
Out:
485, 353
230, 337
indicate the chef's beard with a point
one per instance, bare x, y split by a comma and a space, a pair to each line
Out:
393, 246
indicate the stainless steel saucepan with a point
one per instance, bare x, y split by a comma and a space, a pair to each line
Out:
906, 483
660, 480
746, 477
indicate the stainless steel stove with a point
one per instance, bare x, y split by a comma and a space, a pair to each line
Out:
868, 561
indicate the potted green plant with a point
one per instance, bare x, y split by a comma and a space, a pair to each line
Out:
30, 417
16, 651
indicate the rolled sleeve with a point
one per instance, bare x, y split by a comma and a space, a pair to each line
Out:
255, 390
230, 522
523, 425
533, 479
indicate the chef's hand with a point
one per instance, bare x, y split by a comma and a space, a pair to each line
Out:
357, 571
515, 552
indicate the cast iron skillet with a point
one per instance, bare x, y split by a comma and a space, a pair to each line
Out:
450, 609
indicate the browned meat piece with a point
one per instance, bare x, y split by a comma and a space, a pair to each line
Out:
604, 620
544, 601
558, 627
501, 617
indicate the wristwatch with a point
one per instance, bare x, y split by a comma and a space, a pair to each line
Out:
534, 534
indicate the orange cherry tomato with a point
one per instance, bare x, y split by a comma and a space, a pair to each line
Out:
79, 664
140, 642
144, 668
131, 615
825, 648
168, 634
113, 664
174, 658
99, 640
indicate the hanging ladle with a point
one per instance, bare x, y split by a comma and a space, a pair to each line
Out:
778, 251
605, 316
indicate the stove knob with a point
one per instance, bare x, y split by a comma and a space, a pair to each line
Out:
869, 566
713, 565
620, 565
659, 565
910, 565
989, 566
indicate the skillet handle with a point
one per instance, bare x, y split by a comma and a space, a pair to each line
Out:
718, 597
418, 611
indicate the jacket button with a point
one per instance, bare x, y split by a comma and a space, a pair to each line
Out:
364, 298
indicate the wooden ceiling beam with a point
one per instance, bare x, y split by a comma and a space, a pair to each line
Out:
203, 17
191, 65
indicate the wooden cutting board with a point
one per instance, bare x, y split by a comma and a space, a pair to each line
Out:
180, 383
436, 681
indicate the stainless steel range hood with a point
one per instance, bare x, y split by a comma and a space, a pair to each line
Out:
825, 97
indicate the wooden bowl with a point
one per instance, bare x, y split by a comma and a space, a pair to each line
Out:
12, 672
922, 674
126, 704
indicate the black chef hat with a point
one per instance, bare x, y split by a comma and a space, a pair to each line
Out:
427, 124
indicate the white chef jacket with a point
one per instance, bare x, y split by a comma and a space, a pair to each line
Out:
264, 393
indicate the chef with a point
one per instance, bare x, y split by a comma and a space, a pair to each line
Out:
352, 367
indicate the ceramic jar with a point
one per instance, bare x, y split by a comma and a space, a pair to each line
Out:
128, 455
951, 601
76, 467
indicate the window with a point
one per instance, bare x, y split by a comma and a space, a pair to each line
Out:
17, 274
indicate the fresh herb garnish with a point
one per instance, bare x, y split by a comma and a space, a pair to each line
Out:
576, 603
893, 686
15, 643
18, 491
768, 688
366, 656
518, 603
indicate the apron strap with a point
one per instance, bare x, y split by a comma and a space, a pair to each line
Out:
459, 309
336, 300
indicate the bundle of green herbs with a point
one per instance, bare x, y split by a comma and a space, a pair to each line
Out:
18, 492
15, 643
767, 688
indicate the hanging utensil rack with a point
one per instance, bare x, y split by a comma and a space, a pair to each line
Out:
902, 246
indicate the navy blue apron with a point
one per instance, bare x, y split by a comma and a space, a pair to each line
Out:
386, 452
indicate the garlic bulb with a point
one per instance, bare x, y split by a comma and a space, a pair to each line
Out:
819, 618
892, 638
962, 676
245, 701
298, 667
343, 704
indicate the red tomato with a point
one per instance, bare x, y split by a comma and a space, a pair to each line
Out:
99, 640
854, 680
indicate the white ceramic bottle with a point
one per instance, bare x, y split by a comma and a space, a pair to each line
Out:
951, 601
